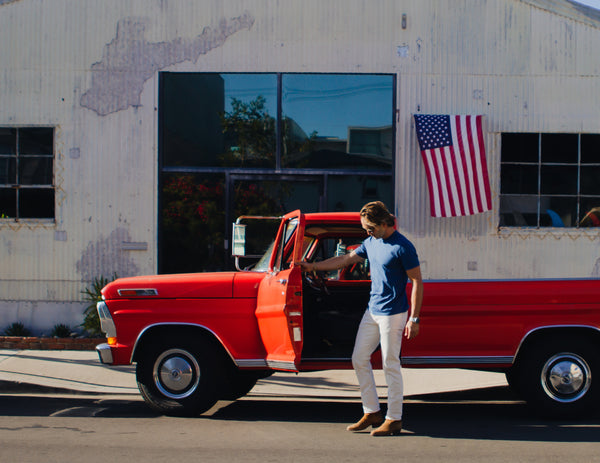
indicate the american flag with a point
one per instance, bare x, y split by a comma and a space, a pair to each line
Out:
454, 157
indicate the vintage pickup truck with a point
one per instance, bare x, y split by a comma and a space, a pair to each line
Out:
198, 338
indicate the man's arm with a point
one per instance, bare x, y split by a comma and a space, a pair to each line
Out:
416, 299
333, 263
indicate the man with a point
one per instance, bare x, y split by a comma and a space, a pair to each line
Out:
393, 260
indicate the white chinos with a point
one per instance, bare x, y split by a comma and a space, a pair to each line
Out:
386, 330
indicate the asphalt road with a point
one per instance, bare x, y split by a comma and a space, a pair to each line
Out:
486, 425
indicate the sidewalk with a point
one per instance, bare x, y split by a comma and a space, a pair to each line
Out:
81, 372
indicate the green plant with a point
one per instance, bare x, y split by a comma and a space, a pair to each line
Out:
93, 295
61, 330
17, 329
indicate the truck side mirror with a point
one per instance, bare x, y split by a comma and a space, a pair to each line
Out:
239, 240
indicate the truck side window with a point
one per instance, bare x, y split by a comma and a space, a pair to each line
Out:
286, 246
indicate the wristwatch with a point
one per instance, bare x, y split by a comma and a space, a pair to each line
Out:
414, 319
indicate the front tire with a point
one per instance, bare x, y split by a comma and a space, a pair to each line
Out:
556, 377
180, 378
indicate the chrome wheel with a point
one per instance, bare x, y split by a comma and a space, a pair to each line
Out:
566, 377
176, 373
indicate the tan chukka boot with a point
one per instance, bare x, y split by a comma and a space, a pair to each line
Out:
388, 428
368, 419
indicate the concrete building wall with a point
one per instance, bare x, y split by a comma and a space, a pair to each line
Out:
90, 69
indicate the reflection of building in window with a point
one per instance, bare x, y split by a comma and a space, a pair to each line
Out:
366, 147
375, 141
548, 179
26, 173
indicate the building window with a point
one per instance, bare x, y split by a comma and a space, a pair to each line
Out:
337, 121
277, 142
275, 121
26, 173
550, 180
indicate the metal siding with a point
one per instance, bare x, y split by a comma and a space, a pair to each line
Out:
536, 73
526, 65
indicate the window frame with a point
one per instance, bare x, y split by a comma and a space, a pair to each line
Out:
280, 172
539, 165
279, 117
19, 187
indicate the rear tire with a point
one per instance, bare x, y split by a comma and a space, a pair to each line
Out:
555, 376
180, 377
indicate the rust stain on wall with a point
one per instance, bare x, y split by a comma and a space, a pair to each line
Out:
129, 60
107, 257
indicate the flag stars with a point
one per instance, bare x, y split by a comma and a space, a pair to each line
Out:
433, 131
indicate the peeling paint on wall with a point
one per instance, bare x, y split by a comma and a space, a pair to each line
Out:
129, 60
107, 257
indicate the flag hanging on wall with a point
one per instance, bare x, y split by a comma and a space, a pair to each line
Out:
454, 156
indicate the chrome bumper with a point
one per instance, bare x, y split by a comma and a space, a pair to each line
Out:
107, 325
104, 353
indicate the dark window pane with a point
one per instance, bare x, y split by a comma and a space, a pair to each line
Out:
559, 147
520, 147
559, 180
192, 223
558, 211
36, 141
261, 197
519, 179
590, 180
36, 203
191, 128
337, 121
350, 193
519, 211
218, 119
270, 197
8, 141
8, 203
35, 171
8, 171
590, 212
590, 148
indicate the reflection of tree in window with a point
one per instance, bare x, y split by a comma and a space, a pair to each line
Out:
249, 134
192, 224
193, 215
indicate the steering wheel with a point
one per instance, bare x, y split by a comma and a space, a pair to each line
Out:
316, 281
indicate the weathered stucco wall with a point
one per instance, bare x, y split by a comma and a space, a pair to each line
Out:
90, 69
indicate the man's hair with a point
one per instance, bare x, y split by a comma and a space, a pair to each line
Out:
376, 212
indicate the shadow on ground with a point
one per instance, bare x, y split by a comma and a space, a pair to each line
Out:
487, 414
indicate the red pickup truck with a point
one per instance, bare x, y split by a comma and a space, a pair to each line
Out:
198, 338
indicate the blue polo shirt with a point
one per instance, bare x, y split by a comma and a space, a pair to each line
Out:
389, 259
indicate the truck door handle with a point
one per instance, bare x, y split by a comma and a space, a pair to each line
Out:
283, 281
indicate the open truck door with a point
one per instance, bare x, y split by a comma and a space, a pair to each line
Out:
279, 304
